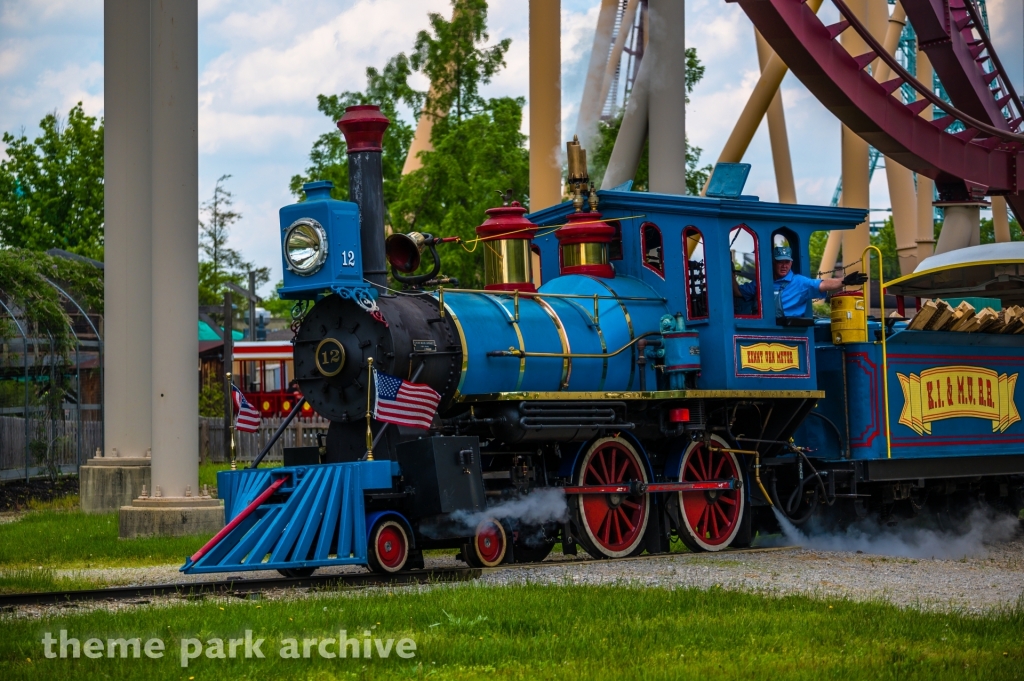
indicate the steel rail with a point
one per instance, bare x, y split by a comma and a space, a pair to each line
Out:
237, 586
1004, 80
913, 82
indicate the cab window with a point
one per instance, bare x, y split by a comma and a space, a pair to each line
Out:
615, 247
650, 243
695, 274
784, 237
746, 275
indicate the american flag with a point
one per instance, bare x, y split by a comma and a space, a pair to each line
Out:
404, 403
248, 419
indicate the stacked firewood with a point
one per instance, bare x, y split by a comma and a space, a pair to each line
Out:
938, 315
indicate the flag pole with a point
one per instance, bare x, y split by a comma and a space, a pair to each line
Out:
369, 387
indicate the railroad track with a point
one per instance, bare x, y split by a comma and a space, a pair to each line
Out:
240, 586
237, 587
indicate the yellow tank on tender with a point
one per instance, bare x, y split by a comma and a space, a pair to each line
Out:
848, 317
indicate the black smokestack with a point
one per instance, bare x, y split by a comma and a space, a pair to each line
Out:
363, 127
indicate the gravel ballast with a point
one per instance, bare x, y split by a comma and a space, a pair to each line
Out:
977, 584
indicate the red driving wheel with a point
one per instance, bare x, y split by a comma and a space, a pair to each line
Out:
488, 546
389, 546
614, 524
711, 520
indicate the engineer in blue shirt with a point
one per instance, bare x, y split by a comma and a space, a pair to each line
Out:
794, 290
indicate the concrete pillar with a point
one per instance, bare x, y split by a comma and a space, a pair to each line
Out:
856, 176
591, 103
1000, 220
777, 133
545, 104
667, 99
174, 101
167, 337
925, 185
961, 226
127, 380
629, 145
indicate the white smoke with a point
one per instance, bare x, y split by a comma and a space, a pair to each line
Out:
540, 506
917, 538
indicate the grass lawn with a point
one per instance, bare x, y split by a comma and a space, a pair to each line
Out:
71, 539
534, 632
56, 535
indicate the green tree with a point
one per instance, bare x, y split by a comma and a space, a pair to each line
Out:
478, 149
988, 231
473, 160
328, 157
452, 56
608, 131
276, 306
51, 188
218, 263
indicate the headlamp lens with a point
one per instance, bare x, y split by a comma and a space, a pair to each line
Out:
305, 246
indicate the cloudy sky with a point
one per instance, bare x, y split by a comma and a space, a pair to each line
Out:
262, 63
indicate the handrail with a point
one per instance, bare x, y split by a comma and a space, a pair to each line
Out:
865, 266
512, 352
538, 294
913, 82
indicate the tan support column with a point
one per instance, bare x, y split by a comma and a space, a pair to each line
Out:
127, 377
777, 133
831, 253
421, 140
902, 195
925, 185
876, 18
667, 97
629, 145
961, 226
424, 129
756, 107
175, 107
591, 103
628, 17
856, 177
545, 104
1000, 220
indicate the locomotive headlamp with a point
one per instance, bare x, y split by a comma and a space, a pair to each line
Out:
305, 246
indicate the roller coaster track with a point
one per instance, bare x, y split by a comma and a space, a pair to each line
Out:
983, 155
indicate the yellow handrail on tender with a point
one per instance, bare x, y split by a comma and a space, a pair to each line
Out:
865, 265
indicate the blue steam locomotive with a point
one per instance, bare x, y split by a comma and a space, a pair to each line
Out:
607, 388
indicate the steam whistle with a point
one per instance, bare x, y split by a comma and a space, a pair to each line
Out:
578, 185
404, 253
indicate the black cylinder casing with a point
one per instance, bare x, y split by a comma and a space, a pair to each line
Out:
414, 334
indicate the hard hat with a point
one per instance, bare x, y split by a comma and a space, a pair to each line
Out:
782, 253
